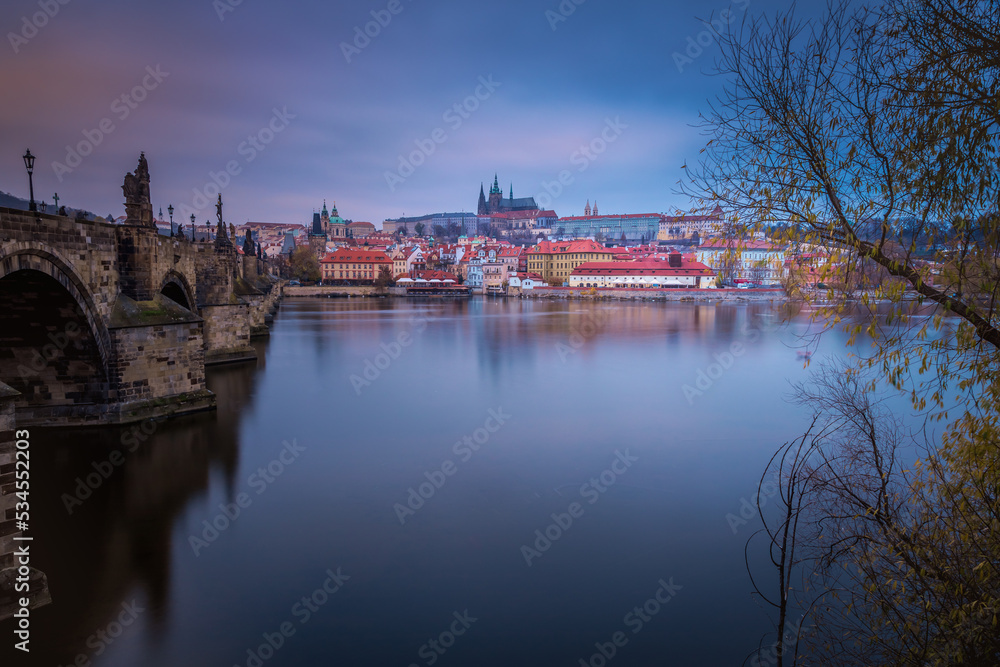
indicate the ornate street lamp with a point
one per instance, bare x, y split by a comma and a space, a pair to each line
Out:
170, 210
194, 236
29, 164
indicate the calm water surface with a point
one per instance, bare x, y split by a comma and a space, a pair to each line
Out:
579, 388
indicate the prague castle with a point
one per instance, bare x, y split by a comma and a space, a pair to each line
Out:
497, 204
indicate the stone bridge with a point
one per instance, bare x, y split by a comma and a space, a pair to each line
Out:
107, 324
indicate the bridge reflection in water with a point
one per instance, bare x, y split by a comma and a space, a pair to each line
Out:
103, 549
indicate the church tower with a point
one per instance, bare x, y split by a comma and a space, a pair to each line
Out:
586, 209
317, 236
338, 226
482, 200
496, 197
595, 208
324, 218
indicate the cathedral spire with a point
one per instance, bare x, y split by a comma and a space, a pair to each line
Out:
482, 200
512, 191
586, 209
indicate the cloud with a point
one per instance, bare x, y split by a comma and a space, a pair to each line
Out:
355, 119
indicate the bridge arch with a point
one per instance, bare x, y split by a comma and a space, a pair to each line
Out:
175, 286
58, 351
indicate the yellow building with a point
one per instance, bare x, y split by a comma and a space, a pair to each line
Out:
555, 262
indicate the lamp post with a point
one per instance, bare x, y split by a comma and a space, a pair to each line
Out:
29, 164
194, 236
170, 210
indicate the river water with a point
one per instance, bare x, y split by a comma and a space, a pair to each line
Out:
454, 483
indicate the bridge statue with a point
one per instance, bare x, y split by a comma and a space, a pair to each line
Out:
138, 207
222, 242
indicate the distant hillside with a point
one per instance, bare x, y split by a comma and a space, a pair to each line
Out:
10, 201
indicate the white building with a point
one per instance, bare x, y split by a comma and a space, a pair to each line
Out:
744, 261
487, 272
677, 272
685, 225
525, 281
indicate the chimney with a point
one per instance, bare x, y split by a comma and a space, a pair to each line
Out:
675, 260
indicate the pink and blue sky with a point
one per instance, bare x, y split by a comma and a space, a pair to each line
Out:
346, 114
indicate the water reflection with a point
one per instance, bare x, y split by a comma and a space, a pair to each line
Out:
581, 382
108, 529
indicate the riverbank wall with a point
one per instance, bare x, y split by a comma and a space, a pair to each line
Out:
639, 294
602, 294
332, 291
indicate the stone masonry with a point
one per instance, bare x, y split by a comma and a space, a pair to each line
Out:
114, 323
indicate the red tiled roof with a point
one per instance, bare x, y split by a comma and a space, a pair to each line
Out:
580, 246
431, 275
645, 268
353, 255
627, 216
